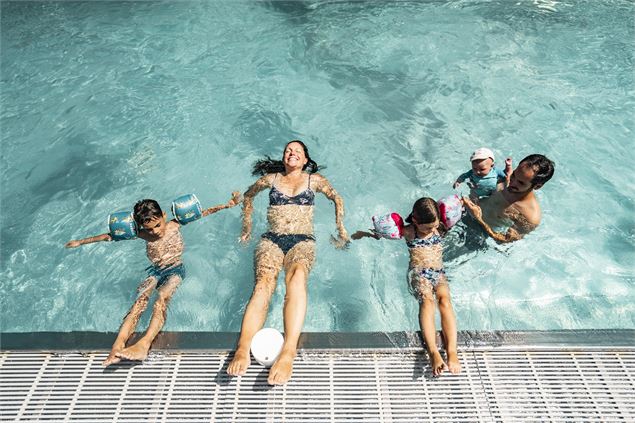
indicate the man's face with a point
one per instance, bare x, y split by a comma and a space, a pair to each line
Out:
520, 180
482, 167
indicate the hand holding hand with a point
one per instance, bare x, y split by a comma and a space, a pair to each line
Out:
244, 238
235, 200
340, 242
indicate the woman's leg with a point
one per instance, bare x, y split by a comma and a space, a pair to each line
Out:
131, 319
268, 262
448, 325
297, 264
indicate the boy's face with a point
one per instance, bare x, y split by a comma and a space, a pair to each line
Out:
156, 227
482, 167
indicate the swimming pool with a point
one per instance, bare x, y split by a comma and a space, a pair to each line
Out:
106, 103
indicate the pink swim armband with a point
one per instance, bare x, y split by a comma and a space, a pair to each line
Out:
388, 226
451, 209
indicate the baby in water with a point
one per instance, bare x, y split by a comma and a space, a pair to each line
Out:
483, 178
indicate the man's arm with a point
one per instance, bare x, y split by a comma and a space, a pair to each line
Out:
514, 233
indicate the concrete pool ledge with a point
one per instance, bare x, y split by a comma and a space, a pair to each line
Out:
222, 341
507, 376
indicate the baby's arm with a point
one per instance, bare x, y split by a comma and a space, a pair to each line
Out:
508, 170
77, 242
462, 178
363, 234
234, 201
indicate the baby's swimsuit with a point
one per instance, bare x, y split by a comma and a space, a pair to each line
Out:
277, 198
424, 281
484, 186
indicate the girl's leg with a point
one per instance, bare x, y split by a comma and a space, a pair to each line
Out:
426, 321
130, 320
139, 351
448, 325
268, 264
297, 265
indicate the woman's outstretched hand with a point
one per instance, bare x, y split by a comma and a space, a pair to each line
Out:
235, 200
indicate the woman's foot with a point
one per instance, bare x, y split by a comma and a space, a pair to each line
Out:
453, 363
136, 352
437, 363
282, 369
240, 363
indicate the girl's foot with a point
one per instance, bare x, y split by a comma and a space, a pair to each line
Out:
282, 369
239, 364
453, 363
112, 357
437, 363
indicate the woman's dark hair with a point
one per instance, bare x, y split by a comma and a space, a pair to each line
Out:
269, 165
146, 210
425, 210
542, 166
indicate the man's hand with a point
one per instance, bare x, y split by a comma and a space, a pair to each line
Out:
474, 209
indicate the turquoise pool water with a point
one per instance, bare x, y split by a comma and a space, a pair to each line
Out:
104, 103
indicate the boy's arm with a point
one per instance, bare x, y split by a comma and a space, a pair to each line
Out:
234, 201
248, 204
77, 242
324, 186
462, 177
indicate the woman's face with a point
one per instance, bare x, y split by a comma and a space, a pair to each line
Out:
294, 156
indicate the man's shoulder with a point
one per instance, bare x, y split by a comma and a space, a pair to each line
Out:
529, 208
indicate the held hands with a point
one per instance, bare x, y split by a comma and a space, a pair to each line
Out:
473, 208
244, 238
235, 200
342, 241
72, 244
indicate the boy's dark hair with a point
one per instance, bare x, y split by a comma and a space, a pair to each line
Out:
146, 210
542, 166
425, 210
269, 165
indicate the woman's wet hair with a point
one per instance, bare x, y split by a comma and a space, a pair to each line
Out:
269, 165
146, 210
425, 210
542, 166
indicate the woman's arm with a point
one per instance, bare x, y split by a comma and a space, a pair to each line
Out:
97, 238
248, 206
324, 186
234, 201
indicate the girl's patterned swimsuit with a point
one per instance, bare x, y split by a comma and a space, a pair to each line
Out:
418, 276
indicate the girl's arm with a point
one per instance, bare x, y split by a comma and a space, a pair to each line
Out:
234, 201
248, 206
77, 242
363, 234
323, 186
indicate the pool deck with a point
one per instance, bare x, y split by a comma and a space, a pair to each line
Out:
370, 377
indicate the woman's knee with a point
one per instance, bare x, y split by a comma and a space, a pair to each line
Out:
296, 275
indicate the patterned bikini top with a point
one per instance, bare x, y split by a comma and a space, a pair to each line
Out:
424, 242
278, 198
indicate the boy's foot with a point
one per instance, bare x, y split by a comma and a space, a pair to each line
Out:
112, 357
282, 369
453, 363
239, 364
137, 352
437, 363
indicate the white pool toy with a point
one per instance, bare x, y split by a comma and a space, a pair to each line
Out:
266, 346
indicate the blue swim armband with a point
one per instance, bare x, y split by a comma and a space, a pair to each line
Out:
122, 226
186, 209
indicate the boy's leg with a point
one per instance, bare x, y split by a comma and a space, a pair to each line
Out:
139, 351
130, 320
448, 325
426, 321
268, 261
297, 264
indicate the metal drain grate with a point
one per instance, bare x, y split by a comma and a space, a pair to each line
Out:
328, 386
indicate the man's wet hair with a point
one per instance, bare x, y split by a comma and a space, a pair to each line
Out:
146, 210
542, 166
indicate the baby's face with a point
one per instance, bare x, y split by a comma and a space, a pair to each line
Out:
482, 167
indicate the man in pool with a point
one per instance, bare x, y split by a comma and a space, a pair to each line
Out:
515, 205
